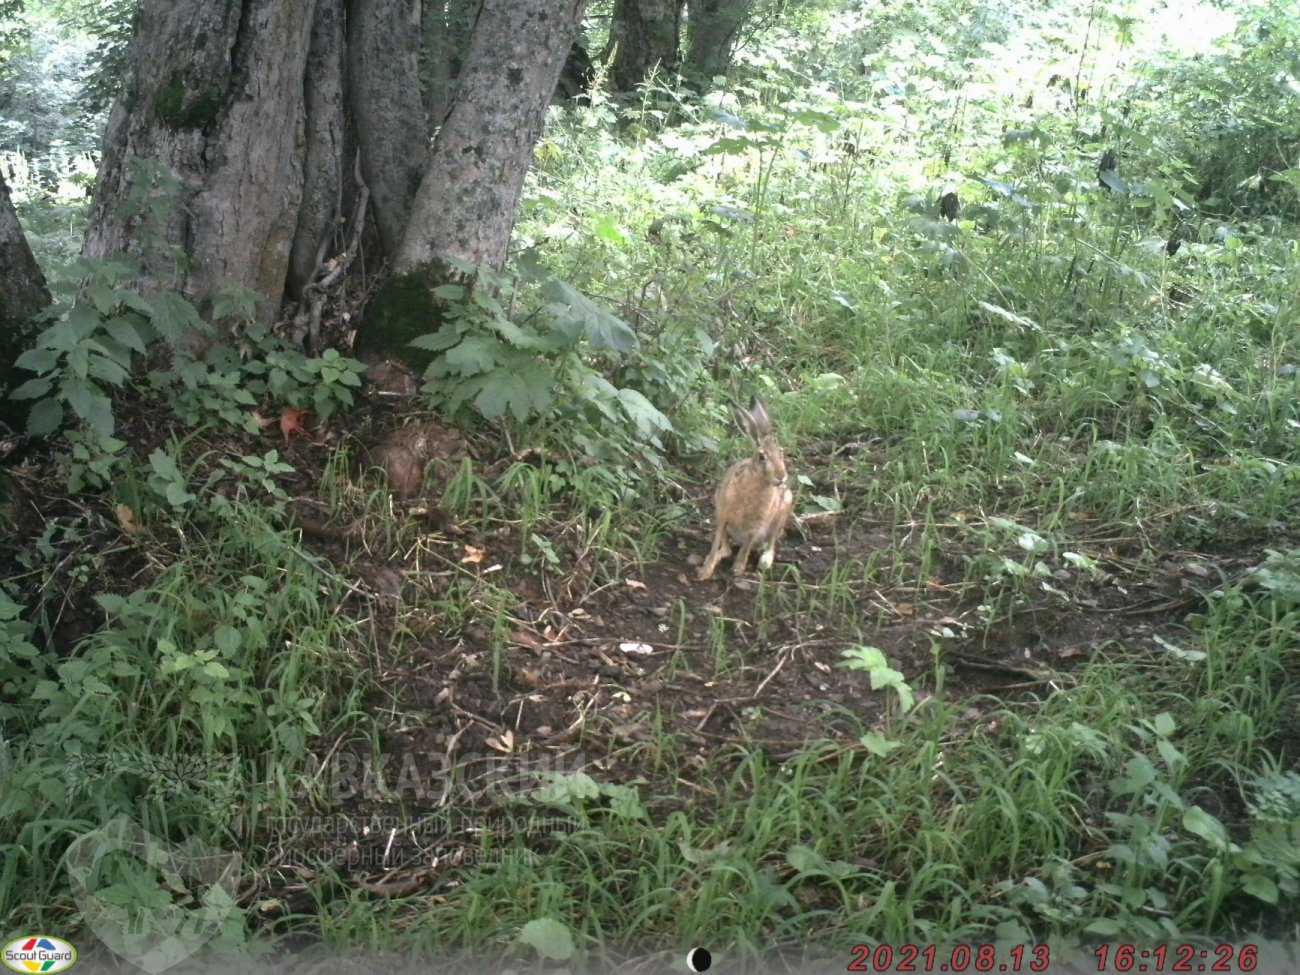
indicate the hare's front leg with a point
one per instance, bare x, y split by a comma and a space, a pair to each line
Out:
778, 529
721, 549
742, 557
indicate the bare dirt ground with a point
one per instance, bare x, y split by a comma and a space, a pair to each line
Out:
549, 672
490, 670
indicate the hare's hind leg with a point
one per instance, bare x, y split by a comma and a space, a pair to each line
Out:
721, 549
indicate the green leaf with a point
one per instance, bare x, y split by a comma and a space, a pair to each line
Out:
562, 789
227, 639
607, 230
45, 417
1260, 887
1196, 820
174, 317
91, 405
525, 394
649, 421
165, 465
438, 341
104, 297
37, 360
107, 370
549, 938
809, 863
476, 354
878, 745
32, 389
126, 333
1104, 926
730, 146
450, 292
575, 314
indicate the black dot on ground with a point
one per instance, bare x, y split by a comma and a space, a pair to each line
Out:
699, 959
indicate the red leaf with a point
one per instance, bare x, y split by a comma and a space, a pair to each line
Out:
291, 421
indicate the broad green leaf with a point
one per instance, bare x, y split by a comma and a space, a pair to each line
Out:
37, 360
549, 938
45, 417
107, 370
1260, 887
32, 389
1104, 926
607, 230
877, 744
525, 394
438, 341
476, 354
165, 465
174, 317
1197, 820
649, 421
104, 297
576, 314
91, 405
731, 145
126, 333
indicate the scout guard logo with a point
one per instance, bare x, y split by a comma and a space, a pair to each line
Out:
152, 932
38, 953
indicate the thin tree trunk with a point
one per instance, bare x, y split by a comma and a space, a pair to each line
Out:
646, 35
384, 66
713, 27
22, 294
328, 189
468, 200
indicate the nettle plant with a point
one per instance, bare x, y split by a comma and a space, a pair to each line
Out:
556, 365
103, 341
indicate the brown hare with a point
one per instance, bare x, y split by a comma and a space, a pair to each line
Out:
753, 501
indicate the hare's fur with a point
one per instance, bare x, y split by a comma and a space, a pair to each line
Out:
753, 502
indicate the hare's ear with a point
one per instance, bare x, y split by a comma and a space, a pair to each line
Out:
762, 423
744, 420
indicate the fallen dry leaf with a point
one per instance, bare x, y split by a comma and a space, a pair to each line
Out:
474, 555
126, 519
526, 639
634, 584
291, 421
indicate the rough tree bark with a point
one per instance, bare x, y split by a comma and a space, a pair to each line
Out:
216, 95
713, 27
646, 34
384, 65
22, 295
468, 200
447, 30
285, 121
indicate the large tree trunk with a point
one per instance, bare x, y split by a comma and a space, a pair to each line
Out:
299, 136
216, 96
646, 35
713, 27
266, 111
22, 295
467, 203
447, 31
